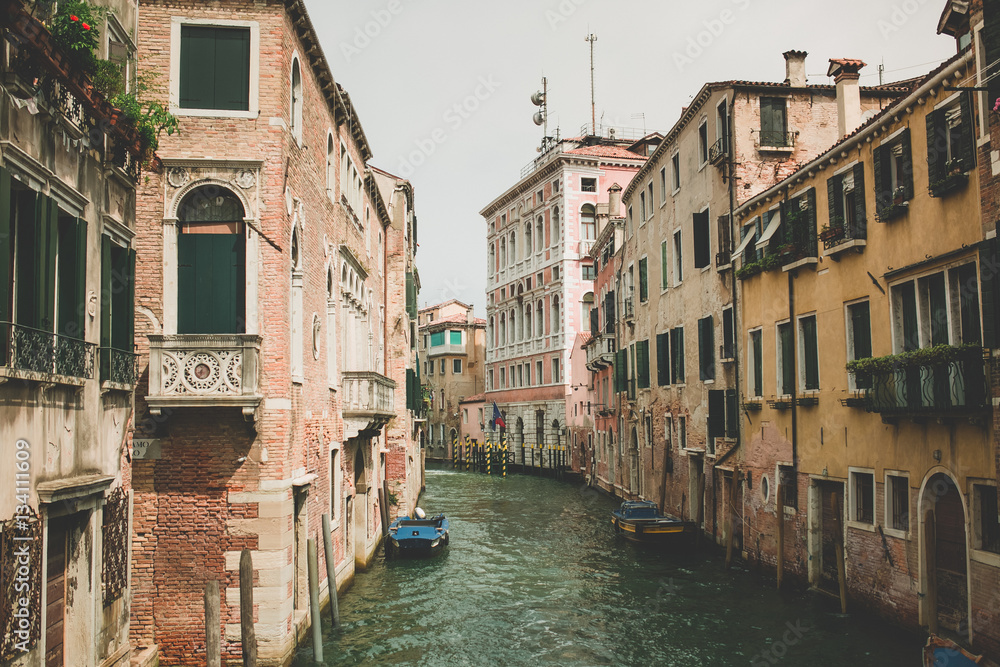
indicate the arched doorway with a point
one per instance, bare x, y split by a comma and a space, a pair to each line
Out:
360, 526
211, 262
945, 574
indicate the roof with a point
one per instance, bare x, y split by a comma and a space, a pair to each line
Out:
584, 338
458, 318
606, 151
443, 304
478, 398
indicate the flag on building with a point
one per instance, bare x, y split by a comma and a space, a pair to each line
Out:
497, 420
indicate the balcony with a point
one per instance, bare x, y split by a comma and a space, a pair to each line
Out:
718, 152
600, 352
446, 349
33, 354
119, 369
628, 309
369, 402
585, 247
776, 141
204, 371
840, 236
954, 385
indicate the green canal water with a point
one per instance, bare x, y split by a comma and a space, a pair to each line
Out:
535, 575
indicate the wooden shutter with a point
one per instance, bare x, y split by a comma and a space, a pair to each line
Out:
716, 413
106, 305
677, 355
197, 67
411, 296
787, 359
810, 352
882, 176
969, 301
702, 242
990, 36
210, 283
46, 228
905, 179
728, 334
859, 196
989, 267
128, 345
663, 359
937, 147
757, 340
706, 348
232, 66
26, 251
7, 225
643, 284
595, 322
621, 370
862, 330
966, 151
72, 278
732, 414
187, 303
834, 190
609, 324
642, 363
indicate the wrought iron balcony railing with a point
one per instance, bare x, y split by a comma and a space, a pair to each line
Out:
717, 152
203, 370
368, 395
119, 367
840, 232
951, 387
44, 353
775, 139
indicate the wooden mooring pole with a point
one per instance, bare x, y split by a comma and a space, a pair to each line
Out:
315, 618
213, 625
248, 636
729, 522
331, 570
780, 513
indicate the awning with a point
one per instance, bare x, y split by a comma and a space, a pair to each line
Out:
744, 243
772, 227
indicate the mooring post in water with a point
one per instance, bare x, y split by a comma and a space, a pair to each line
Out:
331, 570
454, 452
213, 626
465, 449
505, 459
248, 636
315, 618
729, 522
384, 507
489, 457
779, 501
838, 541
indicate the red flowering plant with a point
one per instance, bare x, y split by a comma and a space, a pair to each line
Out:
74, 29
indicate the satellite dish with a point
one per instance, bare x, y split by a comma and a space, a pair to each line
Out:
538, 118
538, 99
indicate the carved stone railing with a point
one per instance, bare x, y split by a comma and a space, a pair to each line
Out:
204, 370
600, 352
367, 395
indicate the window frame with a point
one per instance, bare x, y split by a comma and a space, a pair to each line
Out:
755, 363
675, 180
176, 24
852, 511
802, 361
889, 514
977, 552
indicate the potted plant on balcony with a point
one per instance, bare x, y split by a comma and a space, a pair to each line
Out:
74, 30
954, 178
899, 196
832, 231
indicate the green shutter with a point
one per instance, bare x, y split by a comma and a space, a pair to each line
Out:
197, 67
862, 330
989, 268
728, 334
621, 369
732, 414
210, 269
48, 239
232, 65
881, 175
106, 305
643, 284
26, 251
702, 242
937, 147
908, 299
411, 295
859, 197
787, 359
455, 337
906, 178
6, 258
966, 150
663, 359
969, 302
72, 277
810, 352
187, 297
642, 351
834, 189
757, 340
716, 413
706, 348
990, 37
128, 314
215, 68
663, 265
677, 355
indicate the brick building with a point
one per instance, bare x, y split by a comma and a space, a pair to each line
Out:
274, 334
67, 372
540, 286
452, 351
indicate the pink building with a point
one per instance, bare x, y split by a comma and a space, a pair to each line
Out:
540, 287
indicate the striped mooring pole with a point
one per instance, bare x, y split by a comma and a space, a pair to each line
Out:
489, 457
454, 452
465, 450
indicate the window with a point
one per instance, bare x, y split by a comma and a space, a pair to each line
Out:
755, 351
649, 198
675, 172
663, 359
211, 263
703, 143
352, 188
331, 166
663, 186
893, 167
295, 113
897, 499
987, 523
859, 338
643, 286
789, 489
555, 322
490, 385
456, 366
642, 363
465, 415
215, 68
706, 348
539, 197
556, 375
538, 372
430, 370
678, 259
588, 272
664, 277
556, 226
846, 194
668, 432
588, 184
503, 377
527, 374
555, 186
950, 145
702, 240
786, 359
722, 126
723, 415
520, 375
642, 207
588, 223
925, 314
455, 337
862, 497
437, 339
808, 354
336, 482
728, 334
677, 356
442, 366
773, 129
539, 234
682, 437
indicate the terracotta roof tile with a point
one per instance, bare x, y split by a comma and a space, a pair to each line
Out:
606, 151
478, 398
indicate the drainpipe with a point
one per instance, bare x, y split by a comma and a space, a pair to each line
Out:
795, 375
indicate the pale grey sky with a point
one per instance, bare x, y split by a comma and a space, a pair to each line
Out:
442, 86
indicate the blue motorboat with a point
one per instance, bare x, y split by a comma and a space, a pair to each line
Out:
641, 521
419, 536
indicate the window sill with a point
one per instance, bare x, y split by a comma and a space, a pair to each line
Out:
42, 378
214, 113
898, 534
845, 246
775, 149
985, 557
868, 527
108, 385
805, 261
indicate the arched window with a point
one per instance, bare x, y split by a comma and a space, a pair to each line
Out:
503, 329
513, 247
211, 262
296, 110
331, 168
555, 323
490, 331
493, 260
539, 234
587, 306
556, 223
528, 331
331, 328
527, 239
588, 223
503, 253
515, 332
539, 320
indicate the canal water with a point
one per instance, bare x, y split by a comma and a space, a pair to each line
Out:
535, 575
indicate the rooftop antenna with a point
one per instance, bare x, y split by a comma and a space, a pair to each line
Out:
593, 107
541, 118
881, 71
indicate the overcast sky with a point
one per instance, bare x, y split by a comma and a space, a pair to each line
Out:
442, 86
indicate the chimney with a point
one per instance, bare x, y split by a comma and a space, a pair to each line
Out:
615, 201
795, 68
845, 73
